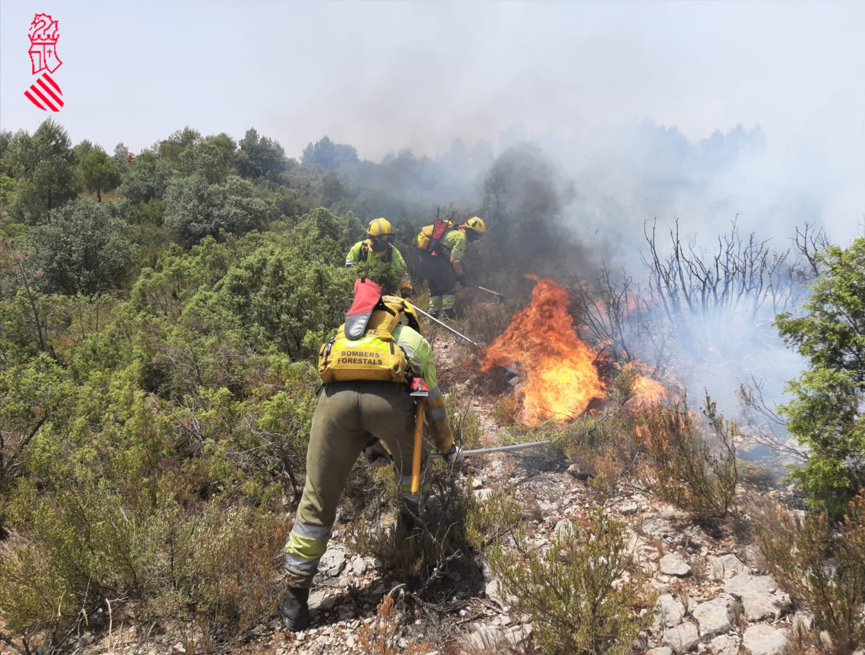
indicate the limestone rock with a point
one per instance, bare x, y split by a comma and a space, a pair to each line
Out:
483, 495
492, 589
714, 617
333, 562
682, 638
655, 526
725, 645
725, 566
563, 528
762, 639
669, 611
759, 595
663, 650
673, 564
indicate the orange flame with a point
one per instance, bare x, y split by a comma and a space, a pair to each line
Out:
557, 366
645, 392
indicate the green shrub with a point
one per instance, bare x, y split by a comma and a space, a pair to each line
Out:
827, 412
580, 595
798, 551
83, 248
465, 422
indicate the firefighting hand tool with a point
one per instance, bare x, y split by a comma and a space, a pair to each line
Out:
495, 293
446, 326
419, 391
498, 449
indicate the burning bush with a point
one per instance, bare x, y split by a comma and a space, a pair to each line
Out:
558, 368
561, 375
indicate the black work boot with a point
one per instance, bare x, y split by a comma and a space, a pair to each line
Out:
407, 521
294, 609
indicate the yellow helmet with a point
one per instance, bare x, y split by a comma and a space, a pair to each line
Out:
380, 228
476, 224
399, 306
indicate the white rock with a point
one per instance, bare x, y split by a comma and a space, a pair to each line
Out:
563, 528
660, 528
483, 494
669, 611
758, 594
626, 509
358, 565
490, 636
492, 589
332, 562
663, 650
763, 639
682, 638
725, 645
725, 566
673, 564
714, 617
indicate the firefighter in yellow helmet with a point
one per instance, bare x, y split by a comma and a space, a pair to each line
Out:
443, 247
379, 245
368, 369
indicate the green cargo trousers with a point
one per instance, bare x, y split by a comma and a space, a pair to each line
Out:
346, 416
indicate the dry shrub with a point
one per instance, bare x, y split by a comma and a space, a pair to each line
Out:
582, 597
215, 569
682, 468
489, 520
465, 422
485, 320
382, 635
821, 566
506, 409
438, 541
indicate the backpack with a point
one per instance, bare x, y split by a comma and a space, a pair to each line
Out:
430, 237
364, 347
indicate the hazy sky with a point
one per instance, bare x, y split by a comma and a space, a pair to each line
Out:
383, 76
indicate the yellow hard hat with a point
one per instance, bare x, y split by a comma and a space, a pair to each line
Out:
476, 224
380, 228
400, 306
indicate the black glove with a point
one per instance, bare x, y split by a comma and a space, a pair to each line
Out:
462, 280
454, 455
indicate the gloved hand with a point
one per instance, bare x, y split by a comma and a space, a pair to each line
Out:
406, 294
454, 455
376, 455
462, 279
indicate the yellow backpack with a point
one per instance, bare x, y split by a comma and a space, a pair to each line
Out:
430, 236
371, 355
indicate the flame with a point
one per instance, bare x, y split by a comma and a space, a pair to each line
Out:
557, 366
646, 391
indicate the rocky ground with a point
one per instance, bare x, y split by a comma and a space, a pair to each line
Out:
713, 595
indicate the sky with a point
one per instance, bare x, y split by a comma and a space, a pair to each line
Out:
385, 76
391, 75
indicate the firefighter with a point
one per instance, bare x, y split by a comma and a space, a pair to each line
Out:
380, 244
443, 247
367, 370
